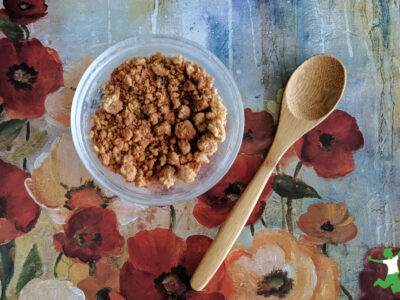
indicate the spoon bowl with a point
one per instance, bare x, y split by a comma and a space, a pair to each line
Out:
311, 94
317, 95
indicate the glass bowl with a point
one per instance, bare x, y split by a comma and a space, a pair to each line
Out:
87, 100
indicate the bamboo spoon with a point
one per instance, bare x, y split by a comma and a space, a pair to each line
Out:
311, 94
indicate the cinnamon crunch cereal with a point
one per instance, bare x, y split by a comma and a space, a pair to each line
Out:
160, 118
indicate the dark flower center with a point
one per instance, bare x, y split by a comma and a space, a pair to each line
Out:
248, 136
103, 294
327, 226
327, 142
85, 239
234, 190
88, 185
22, 76
3, 206
24, 5
276, 283
174, 284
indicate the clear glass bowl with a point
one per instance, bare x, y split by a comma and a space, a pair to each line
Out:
87, 100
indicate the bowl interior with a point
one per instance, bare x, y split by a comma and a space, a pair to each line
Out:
88, 97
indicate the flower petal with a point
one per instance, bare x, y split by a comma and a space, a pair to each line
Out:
38, 289
205, 296
212, 215
58, 105
346, 222
19, 213
156, 251
137, 284
28, 102
344, 234
90, 234
335, 160
245, 279
214, 206
278, 250
339, 164
197, 246
8, 232
335, 215
125, 210
259, 131
35, 10
61, 167
19, 207
345, 130
104, 276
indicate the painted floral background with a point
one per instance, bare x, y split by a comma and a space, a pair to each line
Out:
331, 203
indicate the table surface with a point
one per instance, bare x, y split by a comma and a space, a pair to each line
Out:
332, 202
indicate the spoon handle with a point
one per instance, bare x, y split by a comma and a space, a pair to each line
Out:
230, 230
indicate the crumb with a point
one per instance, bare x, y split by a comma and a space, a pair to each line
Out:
160, 118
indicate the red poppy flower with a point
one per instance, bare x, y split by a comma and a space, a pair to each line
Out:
329, 147
26, 11
18, 212
160, 266
371, 272
259, 131
89, 234
28, 73
215, 205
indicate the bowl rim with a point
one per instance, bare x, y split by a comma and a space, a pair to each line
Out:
86, 81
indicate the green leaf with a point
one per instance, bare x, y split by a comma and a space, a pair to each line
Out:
26, 148
32, 268
9, 130
288, 187
6, 266
11, 30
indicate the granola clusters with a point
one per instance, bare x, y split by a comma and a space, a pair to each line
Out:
160, 118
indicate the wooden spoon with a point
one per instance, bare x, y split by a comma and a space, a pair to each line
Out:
311, 94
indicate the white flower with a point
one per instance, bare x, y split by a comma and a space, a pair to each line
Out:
60, 183
38, 289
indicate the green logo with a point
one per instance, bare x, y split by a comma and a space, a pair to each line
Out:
392, 278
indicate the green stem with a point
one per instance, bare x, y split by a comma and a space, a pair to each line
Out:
346, 292
27, 136
115, 263
252, 229
289, 220
3, 292
27, 33
283, 213
263, 222
278, 168
289, 204
172, 215
24, 161
56, 264
7, 267
324, 249
92, 268
297, 170
28, 131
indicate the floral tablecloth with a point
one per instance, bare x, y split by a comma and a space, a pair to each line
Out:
324, 224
